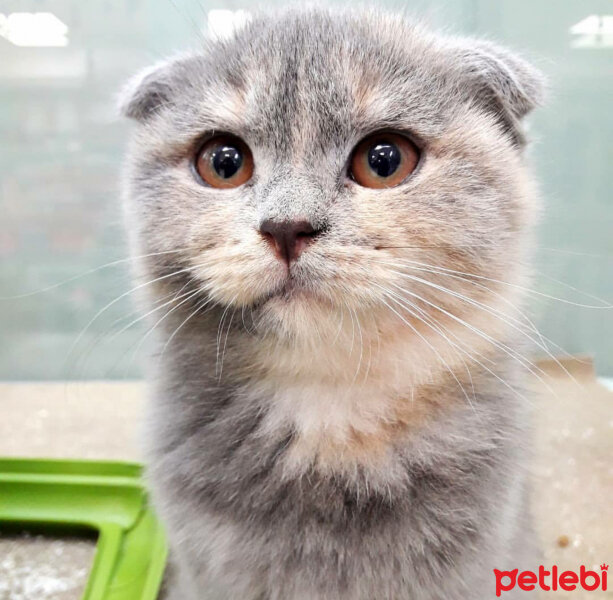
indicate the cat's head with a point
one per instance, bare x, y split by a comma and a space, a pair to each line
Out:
320, 161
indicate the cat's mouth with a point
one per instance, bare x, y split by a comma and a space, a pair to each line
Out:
291, 289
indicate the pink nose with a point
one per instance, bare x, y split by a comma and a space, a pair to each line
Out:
288, 238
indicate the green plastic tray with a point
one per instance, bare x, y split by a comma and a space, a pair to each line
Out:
103, 497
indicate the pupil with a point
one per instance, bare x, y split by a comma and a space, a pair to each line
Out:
384, 159
226, 160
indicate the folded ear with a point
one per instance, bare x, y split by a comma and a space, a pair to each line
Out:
501, 82
151, 89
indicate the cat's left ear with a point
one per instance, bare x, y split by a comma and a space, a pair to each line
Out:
500, 81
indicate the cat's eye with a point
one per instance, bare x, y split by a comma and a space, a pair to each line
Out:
224, 162
383, 160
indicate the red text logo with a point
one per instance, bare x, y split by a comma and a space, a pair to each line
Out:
551, 580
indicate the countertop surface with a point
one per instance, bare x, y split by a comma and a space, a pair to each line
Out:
573, 470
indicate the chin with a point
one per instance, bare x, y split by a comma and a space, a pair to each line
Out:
297, 313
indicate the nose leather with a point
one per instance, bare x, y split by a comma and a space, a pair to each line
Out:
288, 238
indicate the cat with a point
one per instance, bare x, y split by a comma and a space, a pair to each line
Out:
331, 216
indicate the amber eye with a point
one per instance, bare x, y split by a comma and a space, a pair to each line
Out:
224, 162
383, 160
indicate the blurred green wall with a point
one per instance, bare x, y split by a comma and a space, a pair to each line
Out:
61, 147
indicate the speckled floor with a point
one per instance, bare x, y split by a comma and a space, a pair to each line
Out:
39, 568
573, 471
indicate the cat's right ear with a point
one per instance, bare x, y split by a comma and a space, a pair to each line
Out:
148, 91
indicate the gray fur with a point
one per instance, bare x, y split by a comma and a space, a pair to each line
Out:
309, 442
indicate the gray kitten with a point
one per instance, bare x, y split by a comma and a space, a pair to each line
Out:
330, 212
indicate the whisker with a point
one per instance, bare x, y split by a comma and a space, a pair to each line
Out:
357, 371
352, 328
574, 289
136, 345
444, 363
127, 293
225, 343
606, 305
201, 37
545, 341
113, 302
150, 312
498, 314
501, 346
542, 345
89, 272
185, 298
219, 334
369, 364
447, 246
197, 310
504, 382
247, 329
531, 325
430, 318
101, 337
426, 319
340, 325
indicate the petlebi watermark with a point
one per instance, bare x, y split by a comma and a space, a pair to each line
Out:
552, 580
